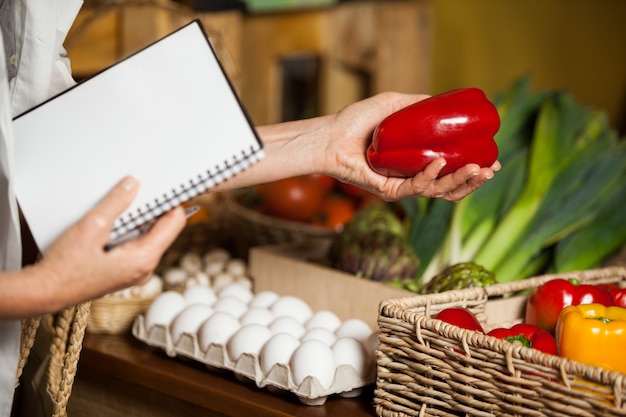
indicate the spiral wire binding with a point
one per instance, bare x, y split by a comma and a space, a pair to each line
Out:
210, 178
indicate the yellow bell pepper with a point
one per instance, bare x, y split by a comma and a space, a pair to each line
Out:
593, 334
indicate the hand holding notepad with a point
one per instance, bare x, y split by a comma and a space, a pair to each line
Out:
167, 115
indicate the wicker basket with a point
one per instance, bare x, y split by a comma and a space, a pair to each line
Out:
426, 367
115, 315
251, 228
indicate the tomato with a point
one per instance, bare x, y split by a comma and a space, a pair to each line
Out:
326, 182
353, 190
335, 212
297, 198
369, 199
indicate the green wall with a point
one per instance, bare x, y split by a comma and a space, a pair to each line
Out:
577, 45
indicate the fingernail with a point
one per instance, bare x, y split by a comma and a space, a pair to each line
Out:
128, 183
489, 175
100, 222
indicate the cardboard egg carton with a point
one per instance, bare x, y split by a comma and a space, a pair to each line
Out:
347, 382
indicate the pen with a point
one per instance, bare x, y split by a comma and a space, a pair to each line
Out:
143, 229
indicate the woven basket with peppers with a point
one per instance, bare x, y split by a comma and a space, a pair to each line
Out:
543, 346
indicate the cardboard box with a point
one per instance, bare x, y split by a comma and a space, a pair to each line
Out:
298, 269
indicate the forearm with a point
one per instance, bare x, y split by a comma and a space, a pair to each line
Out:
336, 145
291, 149
29, 292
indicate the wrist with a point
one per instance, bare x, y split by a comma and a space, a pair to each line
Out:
291, 149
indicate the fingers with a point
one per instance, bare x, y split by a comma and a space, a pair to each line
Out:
98, 222
100, 219
465, 181
453, 187
165, 230
151, 245
118, 199
140, 256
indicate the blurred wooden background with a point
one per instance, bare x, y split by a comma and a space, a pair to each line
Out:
343, 52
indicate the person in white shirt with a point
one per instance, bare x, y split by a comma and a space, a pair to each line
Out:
76, 268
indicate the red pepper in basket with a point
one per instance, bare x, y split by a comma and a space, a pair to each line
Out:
460, 317
527, 335
458, 125
617, 293
546, 301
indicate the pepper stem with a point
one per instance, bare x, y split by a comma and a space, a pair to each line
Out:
574, 281
603, 319
519, 340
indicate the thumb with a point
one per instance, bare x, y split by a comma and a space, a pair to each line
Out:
112, 205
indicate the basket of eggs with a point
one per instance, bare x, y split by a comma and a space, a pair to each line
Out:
293, 209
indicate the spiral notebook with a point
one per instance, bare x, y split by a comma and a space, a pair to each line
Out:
167, 115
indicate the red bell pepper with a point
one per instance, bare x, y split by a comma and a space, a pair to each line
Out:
527, 335
546, 301
458, 125
617, 293
460, 317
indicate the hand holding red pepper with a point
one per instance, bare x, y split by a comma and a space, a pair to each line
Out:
546, 301
458, 126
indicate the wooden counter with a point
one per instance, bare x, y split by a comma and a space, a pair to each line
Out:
121, 376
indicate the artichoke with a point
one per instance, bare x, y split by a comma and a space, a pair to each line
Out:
458, 276
373, 246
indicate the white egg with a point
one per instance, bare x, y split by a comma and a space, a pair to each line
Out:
164, 308
189, 320
323, 318
286, 324
257, 315
217, 329
214, 268
134, 291
315, 359
321, 334
288, 305
195, 294
244, 281
236, 267
236, 290
264, 299
217, 255
175, 277
221, 279
199, 278
277, 350
231, 305
355, 328
191, 262
125, 293
248, 339
151, 288
349, 351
